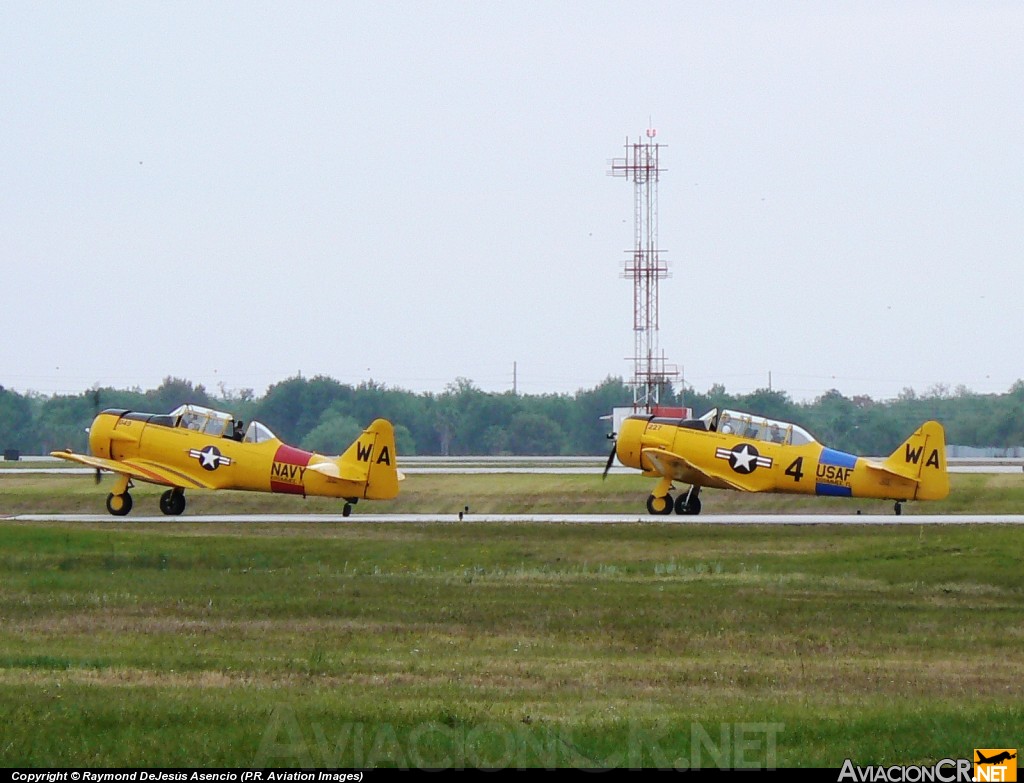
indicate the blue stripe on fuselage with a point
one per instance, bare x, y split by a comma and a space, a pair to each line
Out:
838, 458
833, 489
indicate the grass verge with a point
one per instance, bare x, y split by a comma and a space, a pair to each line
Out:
451, 645
507, 493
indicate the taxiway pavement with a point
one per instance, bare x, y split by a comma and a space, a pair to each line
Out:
578, 519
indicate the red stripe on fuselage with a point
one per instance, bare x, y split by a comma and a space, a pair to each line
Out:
288, 470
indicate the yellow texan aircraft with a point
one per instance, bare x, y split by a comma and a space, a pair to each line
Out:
735, 450
194, 447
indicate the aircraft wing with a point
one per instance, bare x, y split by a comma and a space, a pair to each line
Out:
142, 469
668, 463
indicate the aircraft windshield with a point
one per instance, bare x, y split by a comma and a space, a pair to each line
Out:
258, 433
756, 427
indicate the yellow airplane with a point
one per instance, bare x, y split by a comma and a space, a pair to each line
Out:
735, 450
195, 447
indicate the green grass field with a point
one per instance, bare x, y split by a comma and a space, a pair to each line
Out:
450, 644
512, 493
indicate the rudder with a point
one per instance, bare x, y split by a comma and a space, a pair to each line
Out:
922, 457
373, 454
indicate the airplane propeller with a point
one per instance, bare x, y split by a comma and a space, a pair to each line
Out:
95, 413
611, 457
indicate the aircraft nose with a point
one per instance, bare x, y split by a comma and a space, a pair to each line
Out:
628, 444
99, 437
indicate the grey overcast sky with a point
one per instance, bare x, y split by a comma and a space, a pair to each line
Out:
412, 192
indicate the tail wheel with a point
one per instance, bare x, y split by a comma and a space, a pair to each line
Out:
659, 506
172, 502
346, 510
119, 505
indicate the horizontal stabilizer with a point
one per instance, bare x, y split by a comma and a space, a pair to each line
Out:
332, 470
899, 471
348, 471
329, 469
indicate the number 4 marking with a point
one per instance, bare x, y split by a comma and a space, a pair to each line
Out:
794, 470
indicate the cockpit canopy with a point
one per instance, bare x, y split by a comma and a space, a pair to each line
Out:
747, 425
219, 424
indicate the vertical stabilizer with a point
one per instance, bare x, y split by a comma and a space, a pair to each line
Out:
372, 455
922, 457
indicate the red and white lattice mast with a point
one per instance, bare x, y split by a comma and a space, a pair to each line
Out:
645, 267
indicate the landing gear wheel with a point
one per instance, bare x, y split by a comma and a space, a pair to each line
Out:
346, 510
119, 505
172, 502
691, 508
898, 508
659, 506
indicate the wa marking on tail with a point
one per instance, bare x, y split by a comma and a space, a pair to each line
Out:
914, 456
364, 454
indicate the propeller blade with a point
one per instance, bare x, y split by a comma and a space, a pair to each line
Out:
608, 464
97, 475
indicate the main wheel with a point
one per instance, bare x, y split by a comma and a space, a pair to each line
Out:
688, 509
346, 510
898, 508
659, 505
119, 505
172, 502
177, 503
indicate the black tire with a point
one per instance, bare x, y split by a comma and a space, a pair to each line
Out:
172, 502
687, 509
346, 510
898, 508
179, 503
659, 506
119, 505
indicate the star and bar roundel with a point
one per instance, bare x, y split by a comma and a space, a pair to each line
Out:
209, 457
743, 458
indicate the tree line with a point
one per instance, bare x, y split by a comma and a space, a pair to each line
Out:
322, 414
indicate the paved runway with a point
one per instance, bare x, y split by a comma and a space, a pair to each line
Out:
566, 466
576, 519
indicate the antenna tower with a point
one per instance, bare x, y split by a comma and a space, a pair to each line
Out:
645, 267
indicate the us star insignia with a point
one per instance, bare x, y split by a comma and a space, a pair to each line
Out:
743, 458
209, 457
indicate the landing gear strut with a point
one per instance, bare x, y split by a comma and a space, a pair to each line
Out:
660, 501
119, 502
172, 502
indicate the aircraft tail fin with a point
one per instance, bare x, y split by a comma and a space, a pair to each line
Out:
922, 458
371, 458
